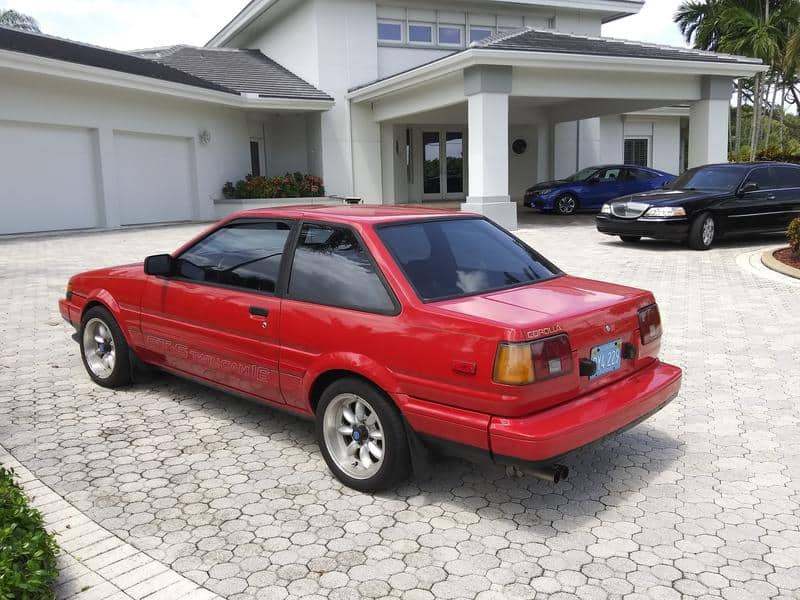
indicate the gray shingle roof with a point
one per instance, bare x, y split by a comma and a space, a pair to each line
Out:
245, 71
48, 46
536, 40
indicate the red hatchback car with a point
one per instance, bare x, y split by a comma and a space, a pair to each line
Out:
395, 329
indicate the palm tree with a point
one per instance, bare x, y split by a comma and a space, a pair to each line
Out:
15, 20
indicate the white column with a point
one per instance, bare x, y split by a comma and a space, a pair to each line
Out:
709, 121
544, 156
488, 90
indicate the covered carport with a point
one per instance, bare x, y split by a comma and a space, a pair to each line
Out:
538, 80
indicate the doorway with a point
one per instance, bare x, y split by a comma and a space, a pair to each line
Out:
443, 164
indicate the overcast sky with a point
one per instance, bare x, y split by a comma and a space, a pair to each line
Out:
131, 24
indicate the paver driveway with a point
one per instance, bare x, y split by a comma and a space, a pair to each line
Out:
702, 500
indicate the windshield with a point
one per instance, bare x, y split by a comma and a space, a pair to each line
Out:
462, 257
582, 175
721, 178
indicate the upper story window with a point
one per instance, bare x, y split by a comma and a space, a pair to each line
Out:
449, 29
451, 35
390, 31
476, 34
420, 33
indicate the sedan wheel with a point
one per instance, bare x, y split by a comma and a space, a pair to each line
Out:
98, 346
362, 436
566, 205
703, 232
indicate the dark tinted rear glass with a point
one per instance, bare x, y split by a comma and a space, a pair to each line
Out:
462, 257
765, 177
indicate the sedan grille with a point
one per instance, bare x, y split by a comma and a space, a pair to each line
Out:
629, 210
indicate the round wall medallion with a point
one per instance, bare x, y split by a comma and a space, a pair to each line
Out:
519, 146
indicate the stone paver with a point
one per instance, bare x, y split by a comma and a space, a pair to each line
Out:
703, 500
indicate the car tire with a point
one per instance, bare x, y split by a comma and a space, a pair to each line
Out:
702, 232
566, 205
630, 239
365, 446
104, 349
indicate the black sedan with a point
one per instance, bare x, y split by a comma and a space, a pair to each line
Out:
708, 202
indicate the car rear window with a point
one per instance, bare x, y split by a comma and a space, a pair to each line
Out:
451, 258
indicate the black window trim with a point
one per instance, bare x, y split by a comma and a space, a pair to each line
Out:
558, 272
242, 221
286, 272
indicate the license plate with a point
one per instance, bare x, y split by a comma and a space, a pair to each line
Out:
607, 357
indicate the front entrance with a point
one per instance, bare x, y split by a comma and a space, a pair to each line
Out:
443, 164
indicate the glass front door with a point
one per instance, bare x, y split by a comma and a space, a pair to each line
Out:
443, 165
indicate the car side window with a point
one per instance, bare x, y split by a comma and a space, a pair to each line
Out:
788, 177
609, 175
331, 267
764, 177
244, 255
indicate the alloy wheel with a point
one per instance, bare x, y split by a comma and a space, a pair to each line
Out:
354, 436
98, 346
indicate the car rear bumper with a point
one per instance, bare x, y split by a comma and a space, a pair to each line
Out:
545, 436
552, 433
668, 229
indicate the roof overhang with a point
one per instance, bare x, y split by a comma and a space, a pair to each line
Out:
246, 16
550, 60
68, 70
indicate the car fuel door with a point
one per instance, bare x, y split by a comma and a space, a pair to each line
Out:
217, 317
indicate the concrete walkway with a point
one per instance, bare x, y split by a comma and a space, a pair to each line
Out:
94, 563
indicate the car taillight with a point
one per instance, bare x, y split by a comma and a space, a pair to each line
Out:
522, 364
650, 324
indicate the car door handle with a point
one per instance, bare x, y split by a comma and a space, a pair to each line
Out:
770, 197
257, 311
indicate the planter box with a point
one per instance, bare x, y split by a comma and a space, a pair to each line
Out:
225, 207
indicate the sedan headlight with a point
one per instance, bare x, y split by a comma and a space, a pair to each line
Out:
666, 211
606, 210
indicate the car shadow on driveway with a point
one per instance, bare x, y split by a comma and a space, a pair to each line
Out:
606, 475
738, 242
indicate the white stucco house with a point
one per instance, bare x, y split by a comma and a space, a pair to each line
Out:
392, 101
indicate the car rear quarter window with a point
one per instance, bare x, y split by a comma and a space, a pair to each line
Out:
244, 255
462, 257
332, 267
788, 177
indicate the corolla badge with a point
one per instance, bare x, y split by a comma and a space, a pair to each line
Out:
537, 333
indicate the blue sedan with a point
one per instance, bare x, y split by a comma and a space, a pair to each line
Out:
592, 187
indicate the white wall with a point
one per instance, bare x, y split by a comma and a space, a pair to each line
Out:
667, 144
522, 171
579, 22
565, 150
53, 102
664, 134
611, 139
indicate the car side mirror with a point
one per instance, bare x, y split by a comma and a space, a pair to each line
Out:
750, 186
160, 265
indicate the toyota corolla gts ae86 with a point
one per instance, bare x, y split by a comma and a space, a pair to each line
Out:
394, 329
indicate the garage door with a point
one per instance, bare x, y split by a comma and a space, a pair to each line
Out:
48, 178
155, 180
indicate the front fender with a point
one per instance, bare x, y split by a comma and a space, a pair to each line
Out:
103, 297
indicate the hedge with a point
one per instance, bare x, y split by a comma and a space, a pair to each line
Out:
27, 552
793, 233
291, 185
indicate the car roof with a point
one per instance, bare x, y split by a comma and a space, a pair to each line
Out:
351, 213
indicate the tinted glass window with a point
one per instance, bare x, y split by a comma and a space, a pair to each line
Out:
331, 267
717, 178
640, 175
450, 35
244, 255
420, 34
788, 177
607, 175
462, 257
476, 34
765, 177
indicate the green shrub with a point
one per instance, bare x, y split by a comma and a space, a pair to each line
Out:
793, 233
27, 552
788, 155
291, 185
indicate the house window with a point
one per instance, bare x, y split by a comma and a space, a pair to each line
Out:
419, 33
389, 31
450, 35
637, 151
255, 158
476, 34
